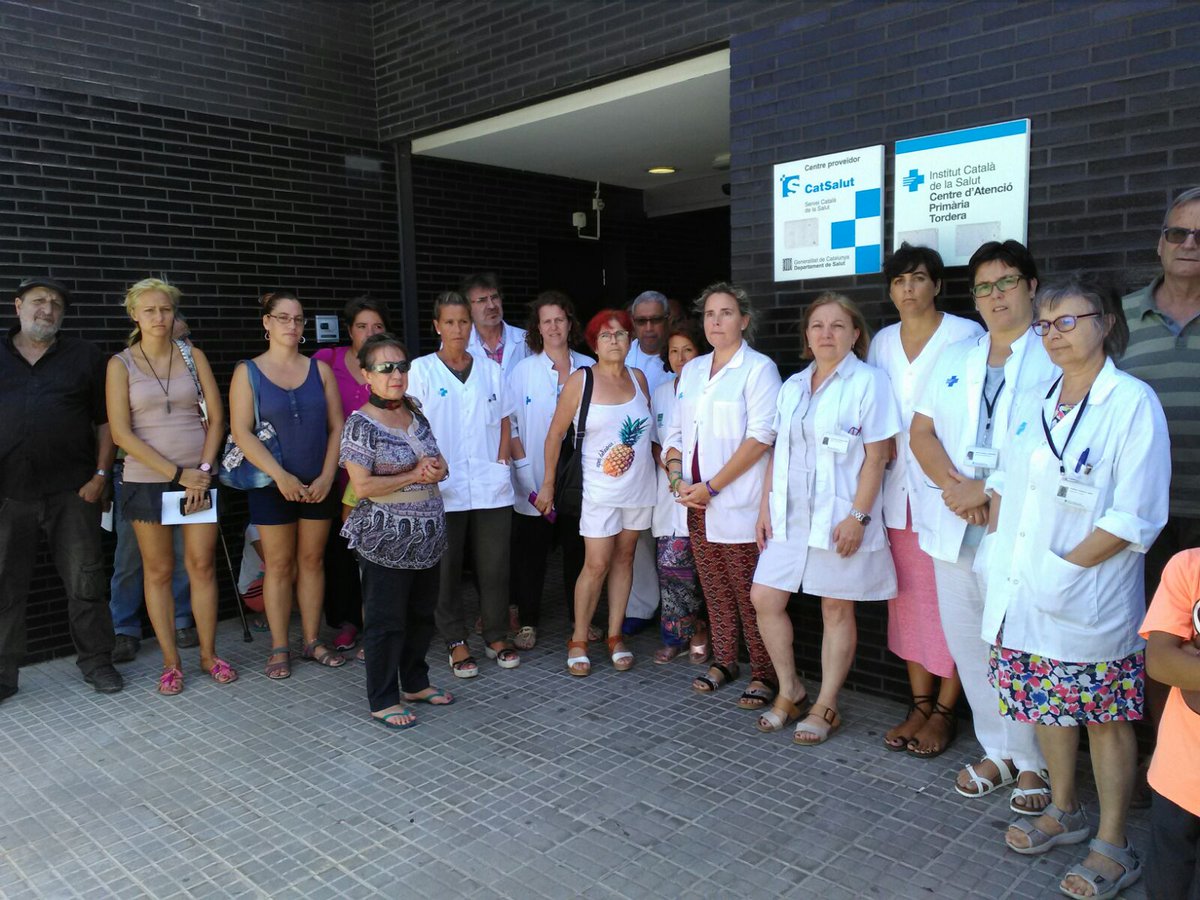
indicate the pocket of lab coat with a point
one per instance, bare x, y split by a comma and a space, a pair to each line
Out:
498, 485
728, 420
1067, 592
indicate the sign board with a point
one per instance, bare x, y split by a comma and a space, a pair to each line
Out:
829, 215
957, 190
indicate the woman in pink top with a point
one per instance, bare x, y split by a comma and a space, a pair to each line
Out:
363, 316
165, 412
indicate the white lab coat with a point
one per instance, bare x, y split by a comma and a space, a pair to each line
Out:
651, 365
1047, 605
670, 518
533, 397
719, 413
465, 419
515, 348
952, 398
908, 382
856, 400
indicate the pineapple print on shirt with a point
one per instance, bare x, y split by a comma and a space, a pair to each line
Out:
616, 459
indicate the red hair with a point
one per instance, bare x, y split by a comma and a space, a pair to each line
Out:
591, 334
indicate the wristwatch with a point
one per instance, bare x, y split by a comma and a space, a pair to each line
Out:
206, 468
862, 517
103, 473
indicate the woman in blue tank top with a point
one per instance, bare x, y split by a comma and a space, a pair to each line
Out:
299, 397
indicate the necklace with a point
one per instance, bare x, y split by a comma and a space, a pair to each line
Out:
376, 400
170, 362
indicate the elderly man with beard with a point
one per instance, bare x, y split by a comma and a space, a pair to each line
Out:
55, 459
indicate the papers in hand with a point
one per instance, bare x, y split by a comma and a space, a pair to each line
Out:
172, 509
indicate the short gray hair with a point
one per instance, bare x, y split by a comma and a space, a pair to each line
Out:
651, 297
1191, 195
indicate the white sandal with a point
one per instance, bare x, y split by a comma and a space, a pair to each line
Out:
984, 786
1030, 792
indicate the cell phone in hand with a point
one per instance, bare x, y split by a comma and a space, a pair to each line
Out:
551, 516
183, 506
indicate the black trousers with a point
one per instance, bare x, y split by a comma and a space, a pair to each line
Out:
486, 531
343, 597
1173, 870
398, 616
72, 529
533, 538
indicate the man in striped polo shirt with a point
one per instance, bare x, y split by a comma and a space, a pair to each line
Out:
1164, 351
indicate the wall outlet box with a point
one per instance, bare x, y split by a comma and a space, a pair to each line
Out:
327, 329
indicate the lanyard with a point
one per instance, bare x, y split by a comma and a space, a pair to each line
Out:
990, 405
1058, 454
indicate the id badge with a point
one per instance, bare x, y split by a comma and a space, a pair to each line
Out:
838, 443
1076, 495
983, 457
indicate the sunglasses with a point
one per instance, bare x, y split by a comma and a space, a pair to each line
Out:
1176, 235
387, 368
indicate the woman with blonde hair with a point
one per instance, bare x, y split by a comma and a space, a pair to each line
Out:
165, 412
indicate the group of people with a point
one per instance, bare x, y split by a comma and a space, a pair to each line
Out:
1008, 490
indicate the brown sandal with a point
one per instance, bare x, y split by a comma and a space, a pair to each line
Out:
577, 659
328, 659
622, 659
828, 722
783, 712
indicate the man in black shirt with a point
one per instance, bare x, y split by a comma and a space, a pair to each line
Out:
55, 456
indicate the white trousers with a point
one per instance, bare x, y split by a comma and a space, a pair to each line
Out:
960, 602
643, 596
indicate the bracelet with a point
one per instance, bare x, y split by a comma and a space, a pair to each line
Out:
671, 482
712, 491
177, 476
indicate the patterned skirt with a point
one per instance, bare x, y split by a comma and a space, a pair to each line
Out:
1046, 691
680, 590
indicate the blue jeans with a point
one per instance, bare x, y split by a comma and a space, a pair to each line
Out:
126, 596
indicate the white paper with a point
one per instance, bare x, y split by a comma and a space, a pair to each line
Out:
106, 518
172, 516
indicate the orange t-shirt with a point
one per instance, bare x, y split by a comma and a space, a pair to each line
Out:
1173, 771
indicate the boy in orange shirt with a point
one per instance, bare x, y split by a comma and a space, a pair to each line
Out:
1172, 632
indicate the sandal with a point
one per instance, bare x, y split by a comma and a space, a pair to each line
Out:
946, 713
171, 681
1075, 831
525, 638
706, 684
1104, 887
386, 719
328, 658
222, 672
755, 698
465, 667
783, 712
666, 653
505, 657
915, 705
984, 785
361, 655
622, 659
277, 671
346, 637
1021, 793
698, 652
577, 659
595, 633
436, 697
827, 723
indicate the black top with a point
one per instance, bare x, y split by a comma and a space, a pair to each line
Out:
48, 414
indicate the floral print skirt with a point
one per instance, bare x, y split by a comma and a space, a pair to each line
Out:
1047, 691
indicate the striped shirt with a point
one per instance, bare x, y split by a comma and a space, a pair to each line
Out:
1167, 357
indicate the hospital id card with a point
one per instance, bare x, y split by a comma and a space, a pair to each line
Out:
838, 443
983, 457
1076, 494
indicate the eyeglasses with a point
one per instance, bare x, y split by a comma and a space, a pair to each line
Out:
984, 288
643, 321
490, 298
1062, 324
1177, 235
612, 337
387, 368
286, 320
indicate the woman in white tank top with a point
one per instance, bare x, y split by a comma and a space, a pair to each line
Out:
618, 480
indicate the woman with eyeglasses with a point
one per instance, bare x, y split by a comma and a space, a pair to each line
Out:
716, 447
618, 480
1080, 494
535, 385
299, 397
907, 351
463, 396
958, 430
397, 530
165, 411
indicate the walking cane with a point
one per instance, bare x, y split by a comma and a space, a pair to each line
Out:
246, 636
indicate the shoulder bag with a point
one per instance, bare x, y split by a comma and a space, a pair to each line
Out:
236, 471
568, 475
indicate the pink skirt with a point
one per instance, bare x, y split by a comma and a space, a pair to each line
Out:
914, 623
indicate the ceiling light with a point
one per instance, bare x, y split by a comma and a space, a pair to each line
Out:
661, 170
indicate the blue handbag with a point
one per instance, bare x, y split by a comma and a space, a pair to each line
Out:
236, 471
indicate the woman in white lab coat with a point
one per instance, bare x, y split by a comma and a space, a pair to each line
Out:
534, 386
1081, 492
463, 397
907, 352
716, 449
819, 524
958, 430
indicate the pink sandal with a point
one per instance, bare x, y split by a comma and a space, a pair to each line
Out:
171, 682
222, 672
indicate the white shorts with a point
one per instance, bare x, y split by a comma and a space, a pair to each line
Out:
604, 521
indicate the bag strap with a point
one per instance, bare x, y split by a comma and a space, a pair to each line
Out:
584, 403
253, 373
185, 351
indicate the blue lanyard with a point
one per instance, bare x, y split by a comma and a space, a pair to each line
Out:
1058, 454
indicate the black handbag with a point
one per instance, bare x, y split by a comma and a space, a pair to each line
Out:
568, 475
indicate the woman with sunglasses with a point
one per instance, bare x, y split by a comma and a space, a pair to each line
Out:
958, 430
397, 530
299, 397
1080, 494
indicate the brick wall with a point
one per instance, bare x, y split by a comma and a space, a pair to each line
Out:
230, 146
